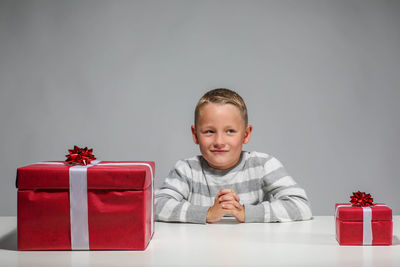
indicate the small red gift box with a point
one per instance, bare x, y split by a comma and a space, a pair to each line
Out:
104, 206
357, 225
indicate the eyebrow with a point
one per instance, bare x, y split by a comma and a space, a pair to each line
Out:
213, 127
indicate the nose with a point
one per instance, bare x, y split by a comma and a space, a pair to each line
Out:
219, 141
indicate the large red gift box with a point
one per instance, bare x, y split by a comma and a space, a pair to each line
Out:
363, 225
118, 214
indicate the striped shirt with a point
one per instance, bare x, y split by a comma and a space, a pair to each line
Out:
268, 192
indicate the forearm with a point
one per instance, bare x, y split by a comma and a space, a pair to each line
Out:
171, 210
171, 200
289, 208
284, 200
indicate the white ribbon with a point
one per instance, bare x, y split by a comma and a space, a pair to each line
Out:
367, 226
367, 222
78, 206
78, 200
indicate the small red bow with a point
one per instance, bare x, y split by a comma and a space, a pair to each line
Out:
82, 156
361, 199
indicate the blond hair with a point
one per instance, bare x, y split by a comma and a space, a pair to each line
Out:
222, 96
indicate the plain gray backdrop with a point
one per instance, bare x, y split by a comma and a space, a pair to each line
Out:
321, 80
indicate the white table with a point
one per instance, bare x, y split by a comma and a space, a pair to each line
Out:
308, 243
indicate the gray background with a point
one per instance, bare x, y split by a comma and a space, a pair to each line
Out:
320, 78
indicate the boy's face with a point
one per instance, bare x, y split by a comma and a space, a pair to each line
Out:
220, 133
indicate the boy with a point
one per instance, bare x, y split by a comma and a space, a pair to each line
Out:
251, 186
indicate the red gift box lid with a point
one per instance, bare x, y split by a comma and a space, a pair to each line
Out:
352, 213
56, 176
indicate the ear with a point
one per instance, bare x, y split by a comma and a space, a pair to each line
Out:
247, 134
194, 135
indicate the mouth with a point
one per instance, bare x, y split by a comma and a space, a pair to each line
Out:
219, 151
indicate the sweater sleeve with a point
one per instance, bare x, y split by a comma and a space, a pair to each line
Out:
171, 200
283, 199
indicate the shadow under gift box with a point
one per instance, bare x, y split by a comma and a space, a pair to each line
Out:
120, 206
350, 224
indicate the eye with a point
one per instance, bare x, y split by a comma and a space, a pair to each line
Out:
230, 131
208, 131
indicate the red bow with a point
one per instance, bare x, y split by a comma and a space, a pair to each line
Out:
361, 199
82, 156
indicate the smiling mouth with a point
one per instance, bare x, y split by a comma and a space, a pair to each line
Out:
219, 151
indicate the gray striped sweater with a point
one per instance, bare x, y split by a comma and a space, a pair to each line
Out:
268, 192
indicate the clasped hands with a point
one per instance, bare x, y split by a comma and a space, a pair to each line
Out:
226, 202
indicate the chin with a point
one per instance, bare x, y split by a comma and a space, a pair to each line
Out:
221, 166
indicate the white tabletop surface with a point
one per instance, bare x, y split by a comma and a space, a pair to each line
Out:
227, 243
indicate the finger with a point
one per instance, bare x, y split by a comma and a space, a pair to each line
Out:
229, 206
235, 204
229, 196
226, 198
229, 192
225, 191
216, 199
235, 196
238, 216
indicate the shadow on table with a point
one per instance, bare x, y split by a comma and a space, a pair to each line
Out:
396, 240
9, 241
227, 221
